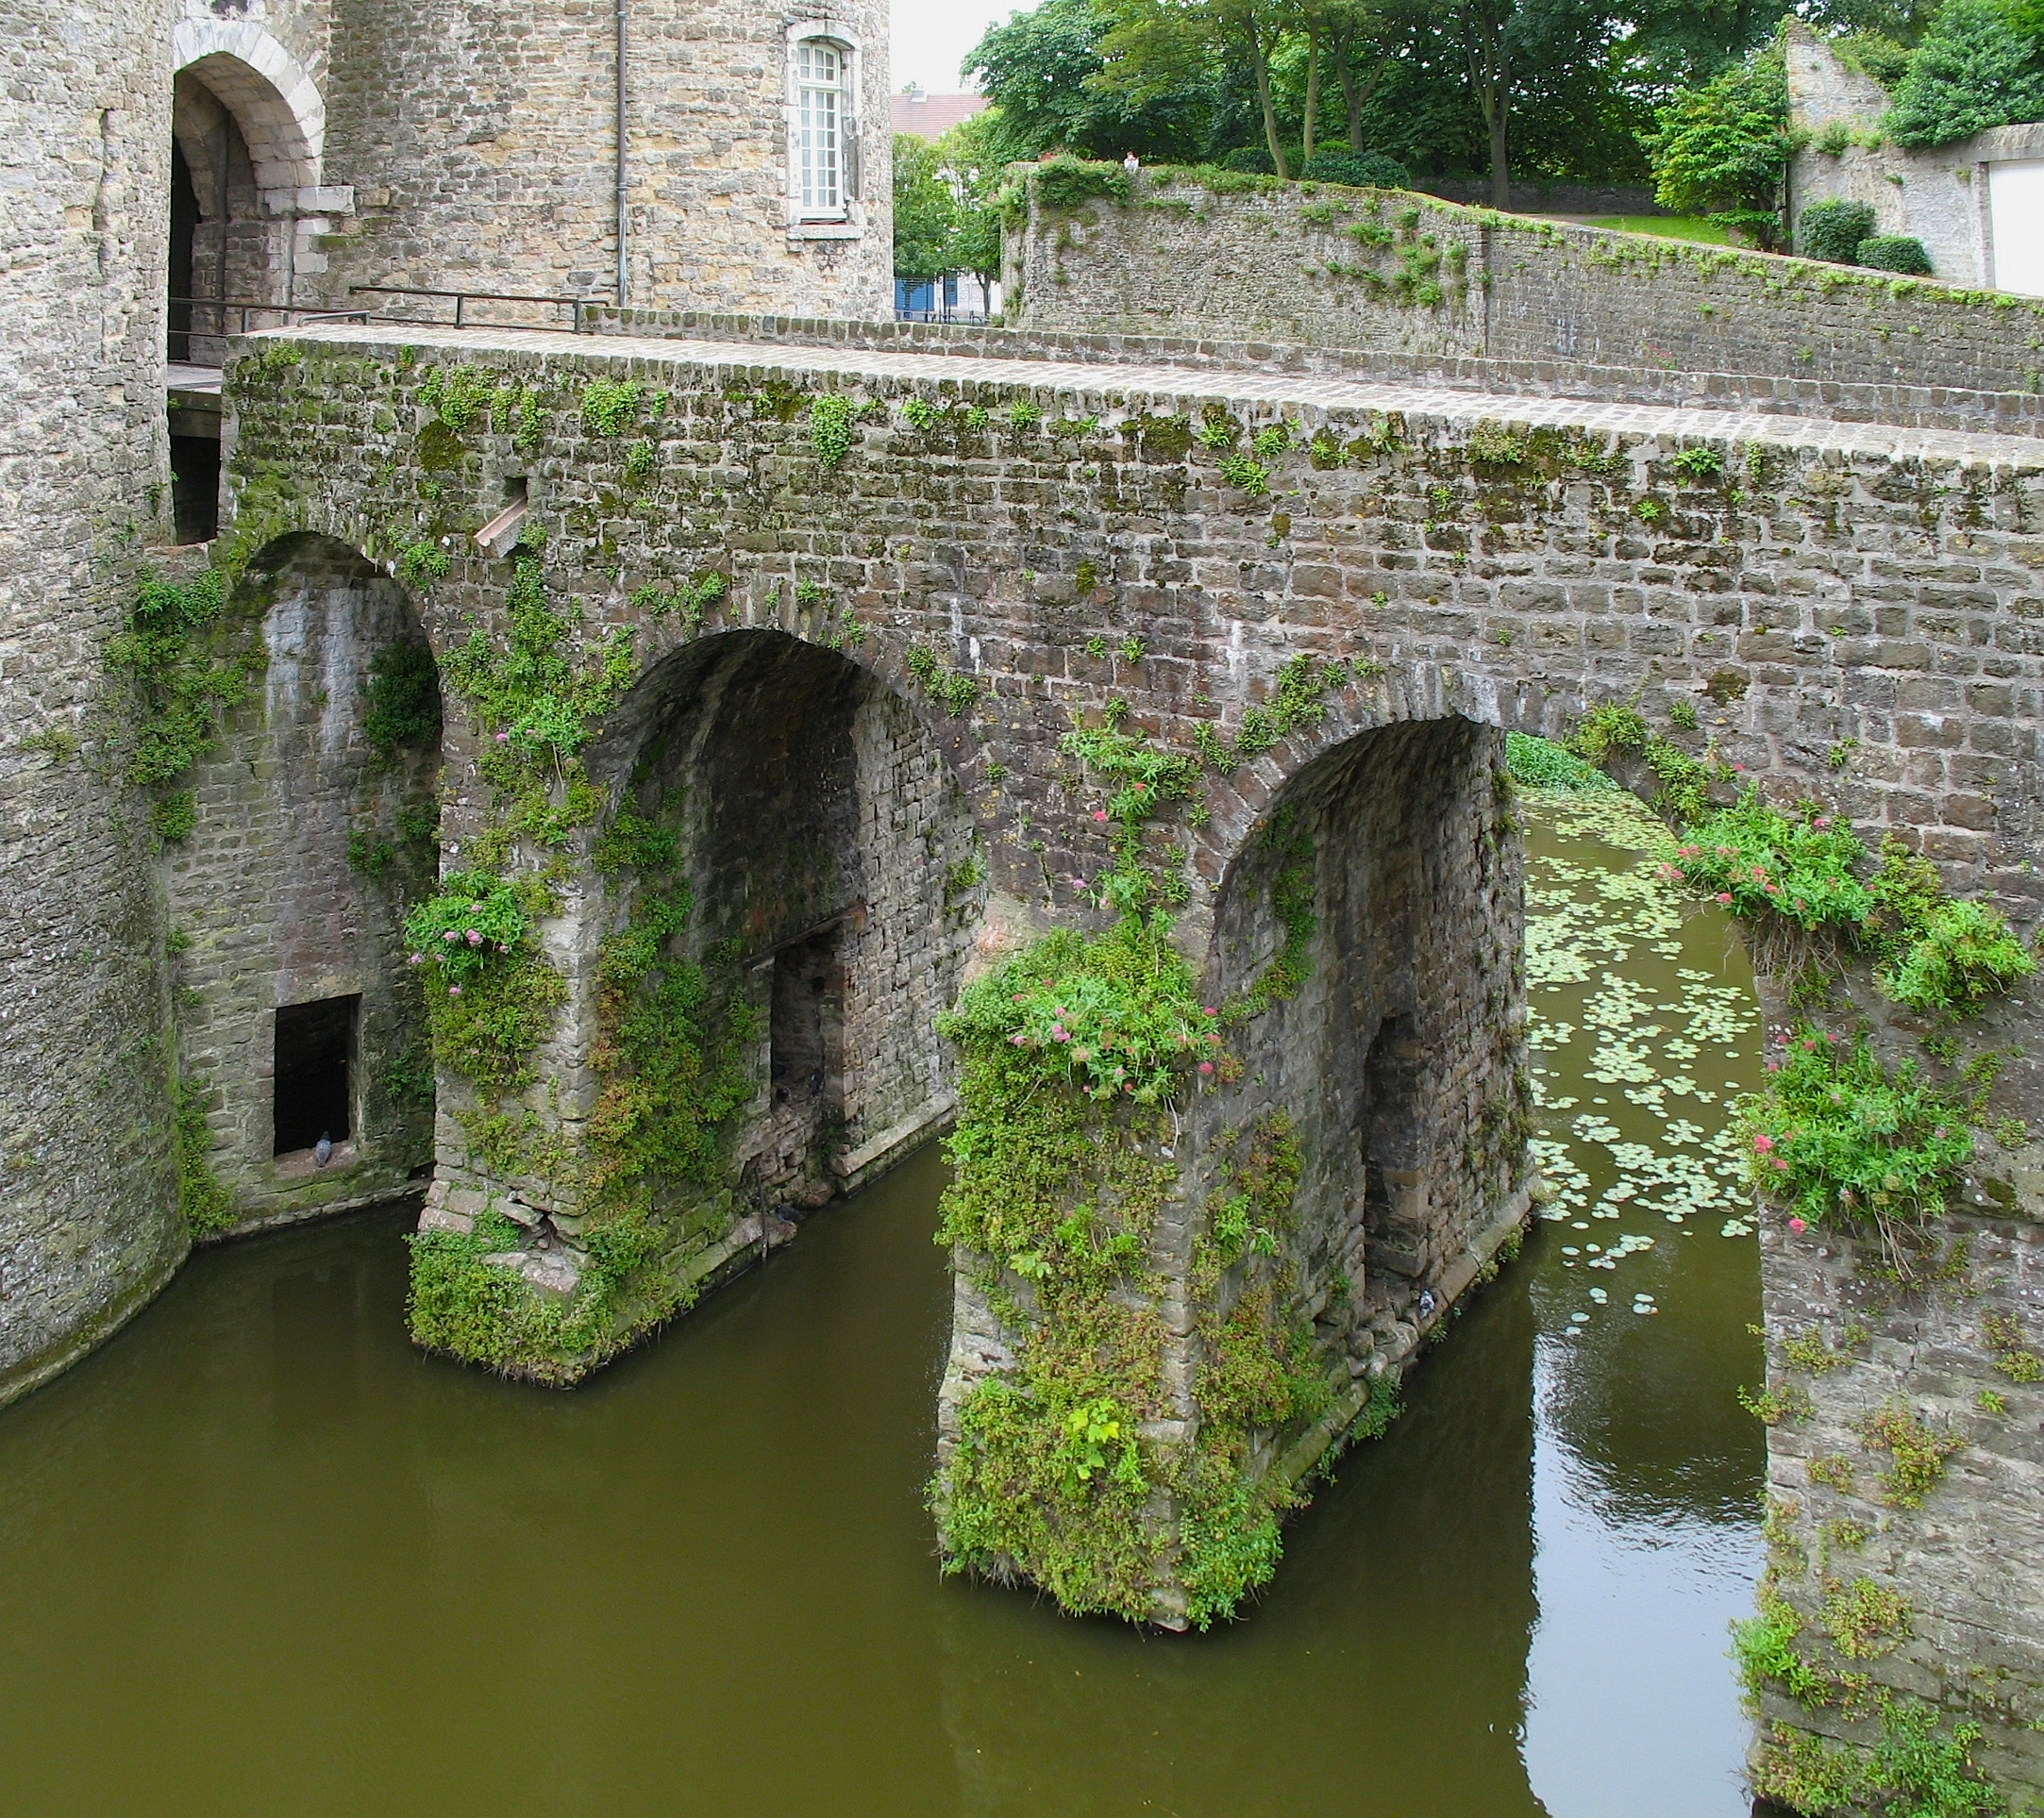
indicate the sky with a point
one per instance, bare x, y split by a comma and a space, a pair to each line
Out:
932, 37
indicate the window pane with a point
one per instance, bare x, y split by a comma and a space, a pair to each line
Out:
819, 77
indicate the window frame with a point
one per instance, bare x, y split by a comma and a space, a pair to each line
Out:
847, 219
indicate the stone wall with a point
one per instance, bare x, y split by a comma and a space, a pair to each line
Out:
1382, 269
87, 1218
308, 844
482, 148
1937, 194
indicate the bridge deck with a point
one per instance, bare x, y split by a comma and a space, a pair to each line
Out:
1094, 379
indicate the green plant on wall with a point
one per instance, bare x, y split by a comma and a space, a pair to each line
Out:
188, 661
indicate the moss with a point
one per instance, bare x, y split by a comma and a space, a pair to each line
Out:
206, 1204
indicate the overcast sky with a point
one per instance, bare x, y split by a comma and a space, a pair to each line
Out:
932, 37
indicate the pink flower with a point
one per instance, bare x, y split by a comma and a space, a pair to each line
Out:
1099, 814
1018, 997
1059, 1035
1772, 1066
1086, 1054
1738, 766
1211, 1010
450, 935
1214, 1039
1140, 788
1821, 821
454, 991
1763, 1143
1780, 1166
503, 738
1796, 1225
1206, 1066
475, 937
1724, 897
418, 960
1017, 1038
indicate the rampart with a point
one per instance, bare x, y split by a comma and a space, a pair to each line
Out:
1402, 274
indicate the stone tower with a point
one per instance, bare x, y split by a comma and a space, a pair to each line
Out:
182, 169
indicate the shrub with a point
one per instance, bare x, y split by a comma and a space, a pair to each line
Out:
1758, 861
467, 928
1836, 1138
1975, 68
1067, 183
1895, 252
1962, 954
1364, 169
1832, 231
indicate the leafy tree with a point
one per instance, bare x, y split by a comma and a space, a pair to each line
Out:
1974, 69
925, 211
969, 155
1156, 46
1038, 70
1721, 149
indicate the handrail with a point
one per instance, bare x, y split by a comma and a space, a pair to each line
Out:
463, 298
243, 307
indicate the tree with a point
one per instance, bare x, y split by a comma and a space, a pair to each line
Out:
1038, 71
1721, 149
1157, 46
970, 156
926, 212
1974, 69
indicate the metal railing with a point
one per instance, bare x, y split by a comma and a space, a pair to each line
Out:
461, 299
939, 315
213, 319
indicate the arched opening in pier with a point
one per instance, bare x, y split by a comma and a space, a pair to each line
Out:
828, 856
1385, 879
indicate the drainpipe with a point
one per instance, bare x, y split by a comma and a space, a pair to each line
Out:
623, 269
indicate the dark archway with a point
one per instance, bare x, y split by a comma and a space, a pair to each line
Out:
831, 874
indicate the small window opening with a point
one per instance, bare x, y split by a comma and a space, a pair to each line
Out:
316, 1061
819, 128
808, 1023
195, 488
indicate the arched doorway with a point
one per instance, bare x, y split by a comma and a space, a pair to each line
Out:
243, 152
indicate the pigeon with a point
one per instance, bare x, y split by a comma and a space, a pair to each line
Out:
323, 1150
1427, 1303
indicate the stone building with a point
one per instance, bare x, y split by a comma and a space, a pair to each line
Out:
180, 170
1976, 204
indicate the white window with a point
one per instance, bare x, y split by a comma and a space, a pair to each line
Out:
820, 138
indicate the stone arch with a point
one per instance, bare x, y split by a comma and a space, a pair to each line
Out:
315, 824
830, 856
274, 102
1385, 872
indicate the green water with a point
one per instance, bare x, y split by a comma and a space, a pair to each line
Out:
258, 1557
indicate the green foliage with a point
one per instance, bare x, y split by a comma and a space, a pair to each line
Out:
958, 691
925, 211
175, 815
1760, 862
1540, 763
1914, 1771
1839, 1140
1063, 185
472, 927
1611, 728
830, 427
1764, 1647
1920, 1455
1974, 67
457, 396
2012, 1356
1721, 149
1959, 954
400, 700
1866, 1619
672, 1046
201, 1197
1361, 170
1895, 252
424, 562
1247, 472
1699, 464
1832, 231
188, 666
610, 406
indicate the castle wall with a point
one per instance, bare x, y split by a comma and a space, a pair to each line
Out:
1425, 279
88, 1214
481, 145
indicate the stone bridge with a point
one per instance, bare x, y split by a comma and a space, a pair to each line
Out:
791, 686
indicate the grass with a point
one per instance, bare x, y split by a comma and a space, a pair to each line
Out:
1670, 227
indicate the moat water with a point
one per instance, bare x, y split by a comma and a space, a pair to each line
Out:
256, 1557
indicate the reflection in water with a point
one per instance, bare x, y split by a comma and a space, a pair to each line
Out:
262, 1558
1647, 1470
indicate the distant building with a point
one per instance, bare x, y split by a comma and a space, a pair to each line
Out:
930, 116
